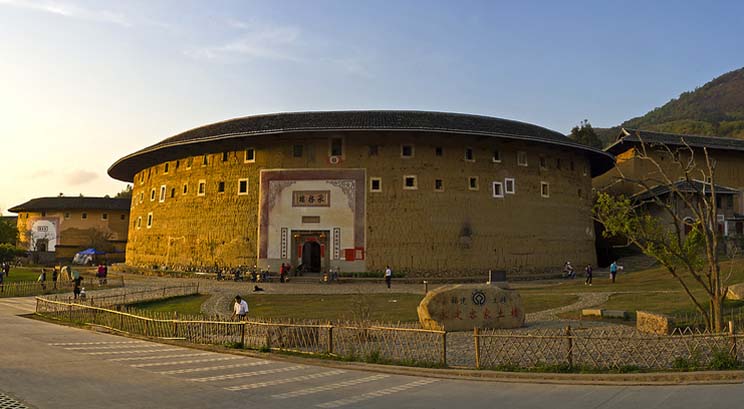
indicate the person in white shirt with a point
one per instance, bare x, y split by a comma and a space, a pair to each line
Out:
240, 309
388, 276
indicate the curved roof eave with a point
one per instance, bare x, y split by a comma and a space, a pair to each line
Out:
605, 159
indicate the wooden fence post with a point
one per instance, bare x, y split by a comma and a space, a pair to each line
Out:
268, 338
175, 324
147, 328
569, 355
732, 334
330, 339
444, 348
476, 339
242, 335
70, 310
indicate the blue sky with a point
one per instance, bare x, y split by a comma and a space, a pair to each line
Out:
86, 82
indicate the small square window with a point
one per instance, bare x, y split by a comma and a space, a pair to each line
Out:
243, 186
122, 217
67, 215
189, 162
406, 151
410, 183
543, 163
202, 190
496, 157
43, 214
544, 189
375, 184
250, 155
586, 170
337, 147
220, 187
473, 183
166, 167
522, 158
104, 216
185, 188
139, 222
205, 160
149, 220
298, 150
178, 162
438, 151
498, 189
84, 216
225, 156
173, 192
162, 194
374, 150
438, 185
469, 155
510, 186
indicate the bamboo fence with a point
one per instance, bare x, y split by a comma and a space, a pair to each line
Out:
29, 288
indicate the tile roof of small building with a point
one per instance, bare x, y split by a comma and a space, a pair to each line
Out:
694, 186
72, 203
633, 137
314, 121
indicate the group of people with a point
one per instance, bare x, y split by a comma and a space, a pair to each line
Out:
570, 273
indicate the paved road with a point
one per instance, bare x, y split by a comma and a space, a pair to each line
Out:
49, 366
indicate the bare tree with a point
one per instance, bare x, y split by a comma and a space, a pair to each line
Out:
683, 236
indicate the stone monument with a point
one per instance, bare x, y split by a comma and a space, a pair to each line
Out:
463, 307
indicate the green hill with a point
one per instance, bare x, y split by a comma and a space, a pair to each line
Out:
715, 109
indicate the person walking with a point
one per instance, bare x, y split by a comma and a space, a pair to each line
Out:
588, 270
613, 271
42, 279
2, 274
55, 276
240, 308
78, 281
6, 269
388, 276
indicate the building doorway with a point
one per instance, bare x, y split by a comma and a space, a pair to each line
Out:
311, 256
310, 251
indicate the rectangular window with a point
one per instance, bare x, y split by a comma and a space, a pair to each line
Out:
438, 151
220, 187
337, 147
84, 216
543, 163
162, 194
139, 222
544, 189
409, 182
173, 192
297, 150
374, 150
152, 195
473, 183
586, 170
67, 215
310, 219
242, 186
185, 188
498, 189
496, 157
406, 151
149, 220
142, 177
202, 190
225, 156
189, 162
438, 185
509, 186
142, 197
469, 155
205, 160
522, 158
165, 167
375, 184
178, 162
730, 201
122, 217
104, 216
557, 163
250, 155
571, 165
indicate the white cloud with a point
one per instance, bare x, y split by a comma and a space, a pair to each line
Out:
80, 177
76, 11
258, 41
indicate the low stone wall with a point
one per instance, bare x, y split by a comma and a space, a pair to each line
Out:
652, 323
735, 292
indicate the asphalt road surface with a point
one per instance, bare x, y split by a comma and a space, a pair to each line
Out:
44, 365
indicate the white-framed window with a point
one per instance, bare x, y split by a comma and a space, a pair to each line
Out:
522, 158
406, 150
162, 194
67, 215
544, 189
375, 184
205, 160
202, 190
166, 168
336, 146
84, 215
225, 156
249, 156
469, 155
586, 170
242, 186
496, 156
410, 182
497, 189
149, 220
220, 187
189, 162
152, 194
185, 188
473, 183
543, 162
142, 177
139, 222
104, 216
142, 197
438, 185
510, 186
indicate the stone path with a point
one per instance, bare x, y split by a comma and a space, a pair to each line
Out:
586, 300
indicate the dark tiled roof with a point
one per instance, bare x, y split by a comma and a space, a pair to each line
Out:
684, 187
171, 148
72, 203
632, 137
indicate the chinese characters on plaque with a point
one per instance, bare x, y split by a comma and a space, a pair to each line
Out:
311, 198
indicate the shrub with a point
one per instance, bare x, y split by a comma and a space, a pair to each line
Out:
722, 359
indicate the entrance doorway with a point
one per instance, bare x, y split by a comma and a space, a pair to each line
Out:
311, 256
310, 250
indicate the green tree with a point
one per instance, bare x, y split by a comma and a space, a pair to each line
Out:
8, 252
126, 193
692, 258
8, 232
584, 133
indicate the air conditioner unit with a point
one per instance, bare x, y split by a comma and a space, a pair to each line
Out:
334, 160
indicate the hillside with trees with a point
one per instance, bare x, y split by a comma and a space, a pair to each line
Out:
715, 109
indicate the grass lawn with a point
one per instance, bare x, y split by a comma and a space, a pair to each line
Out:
188, 304
25, 274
